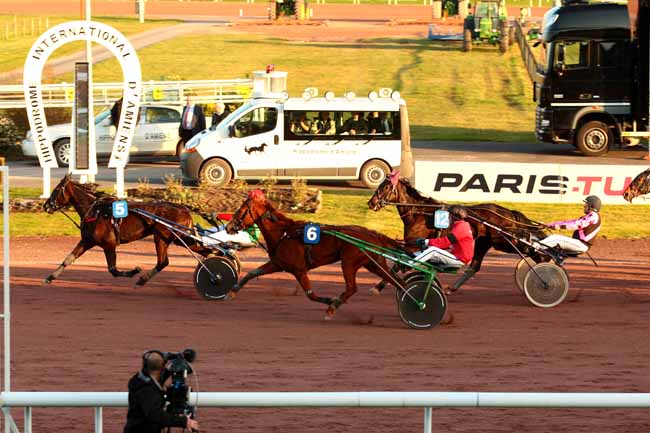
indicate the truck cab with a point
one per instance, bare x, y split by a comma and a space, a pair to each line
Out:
585, 87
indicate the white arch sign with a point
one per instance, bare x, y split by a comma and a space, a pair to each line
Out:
121, 48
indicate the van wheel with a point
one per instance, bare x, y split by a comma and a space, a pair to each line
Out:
373, 173
215, 172
62, 152
594, 138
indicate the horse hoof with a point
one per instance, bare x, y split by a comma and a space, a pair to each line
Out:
47, 280
448, 319
137, 270
230, 296
374, 291
139, 284
327, 317
450, 290
235, 288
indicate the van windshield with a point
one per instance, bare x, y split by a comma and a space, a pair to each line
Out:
234, 115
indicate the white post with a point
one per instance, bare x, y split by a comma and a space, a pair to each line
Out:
91, 127
428, 418
119, 172
46, 182
647, 157
28, 420
6, 314
99, 422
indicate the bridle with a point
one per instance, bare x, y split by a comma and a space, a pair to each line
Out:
54, 198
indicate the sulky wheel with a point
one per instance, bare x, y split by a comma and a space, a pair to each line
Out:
522, 268
547, 286
215, 285
420, 313
409, 278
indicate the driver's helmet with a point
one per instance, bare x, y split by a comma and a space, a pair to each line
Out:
593, 202
458, 212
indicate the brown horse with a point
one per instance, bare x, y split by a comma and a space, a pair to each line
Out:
287, 252
417, 224
99, 229
639, 186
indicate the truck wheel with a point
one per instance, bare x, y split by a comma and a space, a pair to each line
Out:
373, 173
62, 152
594, 138
215, 172
467, 40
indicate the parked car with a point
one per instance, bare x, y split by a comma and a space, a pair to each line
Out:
156, 135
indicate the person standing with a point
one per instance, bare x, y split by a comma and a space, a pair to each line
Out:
192, 120
220, 113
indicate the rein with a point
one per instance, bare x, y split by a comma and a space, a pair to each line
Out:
535, 224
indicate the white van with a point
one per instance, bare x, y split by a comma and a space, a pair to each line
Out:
291, 137
156, 134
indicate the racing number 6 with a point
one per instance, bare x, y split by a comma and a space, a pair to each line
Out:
311, 234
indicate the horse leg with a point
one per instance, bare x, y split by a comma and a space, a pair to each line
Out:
111, 259
265, 269
305, 283
480, 250
350, 269
69, 259
162, 244
382, 284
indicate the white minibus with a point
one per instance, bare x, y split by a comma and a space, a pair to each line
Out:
309, 137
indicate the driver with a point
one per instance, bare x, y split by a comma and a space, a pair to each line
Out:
459, 240
585, 229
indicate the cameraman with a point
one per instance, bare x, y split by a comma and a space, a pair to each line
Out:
147, 400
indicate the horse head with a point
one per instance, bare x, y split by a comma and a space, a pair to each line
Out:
250, 212
639, 186
386, 192
60, 196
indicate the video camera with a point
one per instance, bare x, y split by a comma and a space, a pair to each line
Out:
178, 367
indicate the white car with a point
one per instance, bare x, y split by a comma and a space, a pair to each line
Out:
156, 135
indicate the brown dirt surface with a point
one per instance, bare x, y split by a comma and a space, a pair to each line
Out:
86, 332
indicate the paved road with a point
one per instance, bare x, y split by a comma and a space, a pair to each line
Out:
28, 173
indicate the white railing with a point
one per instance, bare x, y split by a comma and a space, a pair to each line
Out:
158, 92
425, 400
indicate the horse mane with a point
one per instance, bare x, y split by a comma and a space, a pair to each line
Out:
417, 195
90, 188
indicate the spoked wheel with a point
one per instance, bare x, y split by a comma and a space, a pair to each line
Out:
547, 286
215, 285
522, 268
418, 312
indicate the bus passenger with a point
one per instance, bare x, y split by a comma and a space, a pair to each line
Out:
323, 125
355, 125
300, 124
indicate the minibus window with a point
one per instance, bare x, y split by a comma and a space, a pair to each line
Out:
343, 125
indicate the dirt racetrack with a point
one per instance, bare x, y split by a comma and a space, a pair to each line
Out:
86, 332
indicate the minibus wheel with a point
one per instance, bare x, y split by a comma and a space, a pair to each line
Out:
373, 173
215, 172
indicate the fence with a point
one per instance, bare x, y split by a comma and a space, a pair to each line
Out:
161, 92
19, 27
425, 400
526, 51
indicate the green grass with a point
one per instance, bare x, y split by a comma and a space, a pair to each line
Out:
451, 95
349, 207
14, 51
